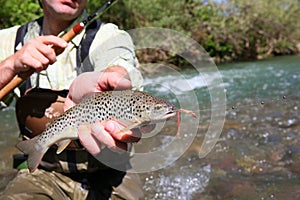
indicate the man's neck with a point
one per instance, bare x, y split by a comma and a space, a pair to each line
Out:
54, 27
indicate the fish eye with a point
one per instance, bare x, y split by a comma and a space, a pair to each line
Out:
158, 107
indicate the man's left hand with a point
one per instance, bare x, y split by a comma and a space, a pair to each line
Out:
114, 77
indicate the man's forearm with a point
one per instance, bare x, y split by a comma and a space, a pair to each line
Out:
6, 73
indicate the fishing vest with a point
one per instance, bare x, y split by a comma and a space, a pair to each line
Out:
81, 53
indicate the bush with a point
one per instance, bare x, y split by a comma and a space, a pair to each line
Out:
17, 12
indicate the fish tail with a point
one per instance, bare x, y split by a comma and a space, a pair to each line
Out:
34, 151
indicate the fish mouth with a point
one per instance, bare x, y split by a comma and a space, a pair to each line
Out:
169, 115
164, 117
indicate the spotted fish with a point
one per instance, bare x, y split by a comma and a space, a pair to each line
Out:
133, 108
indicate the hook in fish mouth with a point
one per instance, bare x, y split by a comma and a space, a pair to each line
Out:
178, 118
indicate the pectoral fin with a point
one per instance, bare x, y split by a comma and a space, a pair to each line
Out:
131, 126
124, 122
127, 124
67, 136
62, 145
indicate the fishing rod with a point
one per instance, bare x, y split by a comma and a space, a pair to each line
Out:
68, 36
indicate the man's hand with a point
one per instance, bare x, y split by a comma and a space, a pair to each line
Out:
106, 133
37, 53
90, 82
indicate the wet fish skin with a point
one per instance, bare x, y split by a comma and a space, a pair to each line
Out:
133, 108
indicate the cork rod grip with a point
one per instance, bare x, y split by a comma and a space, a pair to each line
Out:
20, 78
15, 83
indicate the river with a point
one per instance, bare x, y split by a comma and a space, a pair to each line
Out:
257, 155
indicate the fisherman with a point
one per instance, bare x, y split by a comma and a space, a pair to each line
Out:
100, 58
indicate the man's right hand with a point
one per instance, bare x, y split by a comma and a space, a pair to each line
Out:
37, 53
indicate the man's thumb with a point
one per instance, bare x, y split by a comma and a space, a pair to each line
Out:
68, 103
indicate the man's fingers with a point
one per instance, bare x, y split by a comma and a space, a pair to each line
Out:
99, 132
68, 103
47, 54
112, 80
117, 131
38, 53
122, 83
53, 41
116, 80
85, 84
87, 140
109, 133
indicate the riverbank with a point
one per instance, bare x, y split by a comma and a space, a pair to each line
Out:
154, 61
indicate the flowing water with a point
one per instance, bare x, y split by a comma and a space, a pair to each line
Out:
257, 155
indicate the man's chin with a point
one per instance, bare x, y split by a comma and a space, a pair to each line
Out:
68, 14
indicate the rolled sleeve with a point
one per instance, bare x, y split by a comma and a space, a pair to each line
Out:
7, 43
113, 46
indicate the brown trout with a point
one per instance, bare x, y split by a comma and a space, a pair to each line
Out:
133, 108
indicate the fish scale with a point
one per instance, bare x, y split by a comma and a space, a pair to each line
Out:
132, 108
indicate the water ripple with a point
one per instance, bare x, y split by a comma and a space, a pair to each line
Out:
181, 185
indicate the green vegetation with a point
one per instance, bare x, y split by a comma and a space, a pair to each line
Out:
231, 30
16, 12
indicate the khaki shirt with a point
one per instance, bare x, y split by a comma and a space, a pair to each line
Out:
111, 46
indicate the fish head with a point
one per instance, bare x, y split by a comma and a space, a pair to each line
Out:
161, 111
150, 109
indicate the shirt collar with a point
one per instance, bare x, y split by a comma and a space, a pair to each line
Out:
34, 30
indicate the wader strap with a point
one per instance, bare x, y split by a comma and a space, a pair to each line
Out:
84, 48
